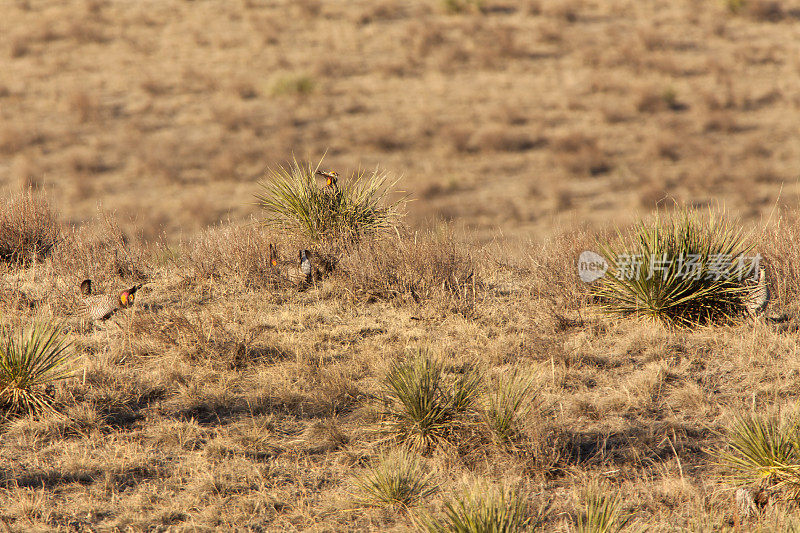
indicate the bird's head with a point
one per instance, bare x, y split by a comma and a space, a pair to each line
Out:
331, 177
127, 296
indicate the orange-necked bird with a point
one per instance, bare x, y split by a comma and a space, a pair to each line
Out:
273, 256
331, 179
99, 307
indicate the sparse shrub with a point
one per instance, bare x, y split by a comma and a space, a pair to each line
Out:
422, 268
84, 106
424, 409
483, 511
30, 360
682, 271
28, 228
602, 511
735, 6
510, 399
653, 99
670, 98
397, 479
460, 6
767, 10
548, 284
234, 254
356, 207
763, 448
503, 139
20, 46
301, 85
781, 248
99, 252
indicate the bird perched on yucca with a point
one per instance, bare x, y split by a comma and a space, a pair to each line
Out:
331, 180
99, 307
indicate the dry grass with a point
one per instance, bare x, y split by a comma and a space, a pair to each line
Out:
227, 399
481, 96
253, 403
28, 228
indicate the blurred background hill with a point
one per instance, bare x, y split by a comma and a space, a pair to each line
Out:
508, 117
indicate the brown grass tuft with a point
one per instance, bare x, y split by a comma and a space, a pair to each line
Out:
238, 256
102, 253
502, 139
424, 267
765, 10
28, 228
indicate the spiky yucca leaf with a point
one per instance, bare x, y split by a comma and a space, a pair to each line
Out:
763, 448
602, 511
357, 206
35, 357
397, 479
423, 410
483, 511
683, 270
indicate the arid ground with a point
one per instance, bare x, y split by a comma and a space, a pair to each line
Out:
227, 398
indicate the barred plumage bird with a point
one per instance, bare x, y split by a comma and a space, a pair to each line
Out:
759, 295
305, 265
98, 307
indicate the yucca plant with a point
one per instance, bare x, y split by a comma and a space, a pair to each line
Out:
481, 510
602, 511
358, 205
29, 360
684, 270
423, 409
397, 479
510, 399
763, 449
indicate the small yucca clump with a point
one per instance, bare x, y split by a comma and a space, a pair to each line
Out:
602, 511
398, 479
763, 449
354, 207
483, 511
29, 361
682, 271
28, 228
423, 408
510, 400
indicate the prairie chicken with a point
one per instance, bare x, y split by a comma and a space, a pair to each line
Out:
98, 307
305, 264
273, 256
305, 272
759, 295
331, 180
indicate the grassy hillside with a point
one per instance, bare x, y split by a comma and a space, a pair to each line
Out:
226, 397
451, 366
